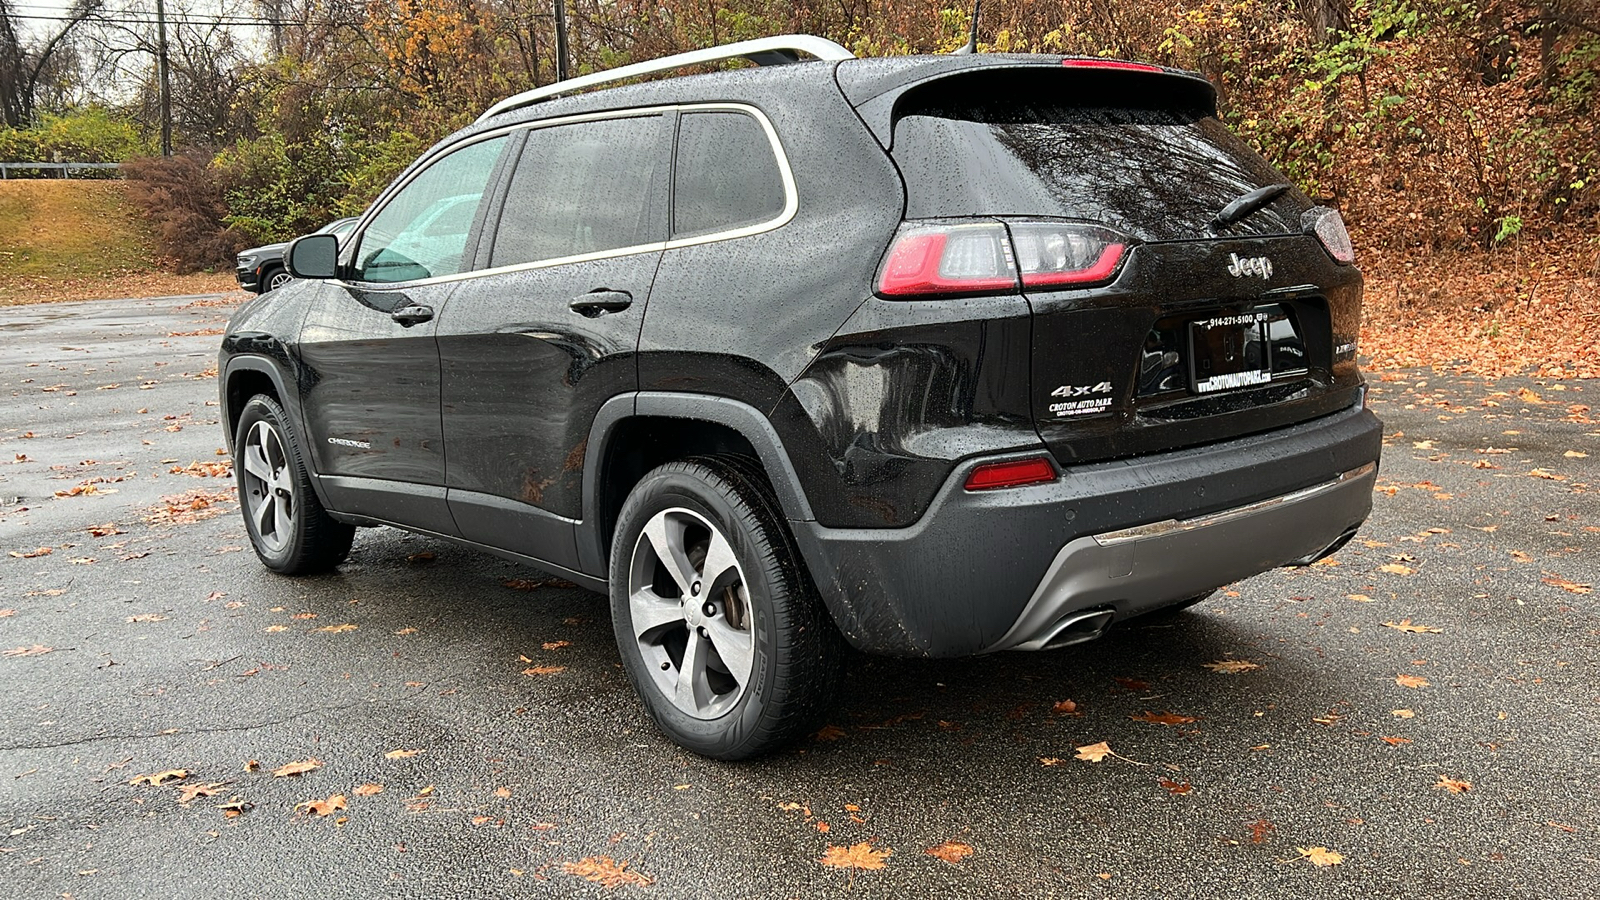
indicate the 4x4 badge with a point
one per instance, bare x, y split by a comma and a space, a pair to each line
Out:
1249, 265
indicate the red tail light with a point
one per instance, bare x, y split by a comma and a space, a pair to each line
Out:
1329, 228
930, 259
1011, 474
1111, 64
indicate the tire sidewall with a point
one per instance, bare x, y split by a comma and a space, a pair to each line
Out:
263, 409
682, 485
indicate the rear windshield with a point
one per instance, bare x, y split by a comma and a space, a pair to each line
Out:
1158, 174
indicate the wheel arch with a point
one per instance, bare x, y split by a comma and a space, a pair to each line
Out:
635, 432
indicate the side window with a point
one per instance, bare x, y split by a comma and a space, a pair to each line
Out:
583, 188
422, 231
726, 176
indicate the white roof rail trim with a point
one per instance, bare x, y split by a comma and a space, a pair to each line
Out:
821, 48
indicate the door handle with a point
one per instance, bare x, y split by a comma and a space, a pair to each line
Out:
412, 315
598, 303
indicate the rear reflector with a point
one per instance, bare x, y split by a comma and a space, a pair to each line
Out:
1111, 64
1011, 474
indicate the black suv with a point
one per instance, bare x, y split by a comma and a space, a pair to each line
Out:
261, 269
930, 356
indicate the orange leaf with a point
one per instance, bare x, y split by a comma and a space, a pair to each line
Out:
160, 778
544, 670
1166, 718
296, 768
323, 807
1321, 856
1407, 626
1176, 787
1232, 666
856, 856
556, 645
368, 789
605, 871
1453, 785
209, 789
1571, 587
1411, 681
337, 629
950, 851
1066, 708
401, 754
1394, 741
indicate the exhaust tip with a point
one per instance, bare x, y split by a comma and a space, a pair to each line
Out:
1078, 628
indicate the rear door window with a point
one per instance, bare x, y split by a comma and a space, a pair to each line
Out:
726, 176
1117, 158
586, 187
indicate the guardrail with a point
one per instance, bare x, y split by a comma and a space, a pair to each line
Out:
66, 169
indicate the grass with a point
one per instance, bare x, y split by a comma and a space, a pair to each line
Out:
62, 239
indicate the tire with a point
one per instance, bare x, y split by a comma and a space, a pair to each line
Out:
761, 655
291, 532
274, 278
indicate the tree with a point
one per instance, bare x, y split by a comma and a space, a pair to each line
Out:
27, 68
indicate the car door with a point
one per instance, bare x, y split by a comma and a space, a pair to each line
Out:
531, 348
370, 383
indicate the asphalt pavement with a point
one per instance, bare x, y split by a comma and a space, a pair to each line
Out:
1421, 716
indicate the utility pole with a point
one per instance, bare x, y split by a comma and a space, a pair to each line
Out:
561, 40
166, 84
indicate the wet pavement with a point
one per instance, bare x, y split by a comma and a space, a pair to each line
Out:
1282, 716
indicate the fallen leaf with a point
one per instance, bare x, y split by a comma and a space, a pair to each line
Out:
1546, 475
368, 789
1407, 626
1394, 741
543, 670
1571, 587
297, 768
157, 779
1133, 684
1453, 785
7, 613
35, 650
1050, 760
323, 807
1166, 718
426, 556
556, 645
1396, 569
829, 733
1402, 713
1575, 454
607, 872
32, 554
1411, 681
1066, 708
856, 856
147, 617
235, 808
209, 789
1320, 856
1232, 666
950, 851
401, 754
1176, 787
1259, 829
1095, 752
506, 792
337, 629
105, 530
406, 631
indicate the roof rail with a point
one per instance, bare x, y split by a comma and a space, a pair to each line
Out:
767, 51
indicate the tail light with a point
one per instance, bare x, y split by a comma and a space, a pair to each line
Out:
942, 259
1329, 228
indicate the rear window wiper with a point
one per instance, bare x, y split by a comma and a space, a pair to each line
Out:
1243, 206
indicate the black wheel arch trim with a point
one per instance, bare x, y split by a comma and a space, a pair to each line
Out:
749, 422
289, 400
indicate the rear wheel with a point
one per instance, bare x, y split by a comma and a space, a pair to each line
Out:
291, 532
719, 628
274, 278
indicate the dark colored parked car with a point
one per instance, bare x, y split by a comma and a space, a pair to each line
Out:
928, 356
261, 269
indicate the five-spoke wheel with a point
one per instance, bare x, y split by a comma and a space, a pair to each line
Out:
268, 488
291, 532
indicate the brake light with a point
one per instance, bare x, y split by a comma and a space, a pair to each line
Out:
1111, 64
1329, 228
948, 259
929, 259
1013, 473
1051, 254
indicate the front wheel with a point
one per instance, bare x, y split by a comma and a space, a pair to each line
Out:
272, 279
291, 532
719, 628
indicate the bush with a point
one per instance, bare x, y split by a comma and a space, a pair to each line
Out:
184, 201
86, 135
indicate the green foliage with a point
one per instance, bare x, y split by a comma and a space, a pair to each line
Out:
90, 134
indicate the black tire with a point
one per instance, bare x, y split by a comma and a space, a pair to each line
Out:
795, 654
303, 539
274, 277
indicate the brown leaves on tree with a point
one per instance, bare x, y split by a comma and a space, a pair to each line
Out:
156, 779
1410, 627
1453, 785
297, 768
860, 856
952, 852
606, 872
1232, 666
322, 808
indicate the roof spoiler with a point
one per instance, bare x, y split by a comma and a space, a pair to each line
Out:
768, 51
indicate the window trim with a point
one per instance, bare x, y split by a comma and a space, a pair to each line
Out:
791, 194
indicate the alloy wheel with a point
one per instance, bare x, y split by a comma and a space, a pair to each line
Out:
269, 486
691, 616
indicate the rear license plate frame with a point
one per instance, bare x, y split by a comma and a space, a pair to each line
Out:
1230, 352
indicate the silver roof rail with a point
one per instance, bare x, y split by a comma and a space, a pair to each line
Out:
767, 51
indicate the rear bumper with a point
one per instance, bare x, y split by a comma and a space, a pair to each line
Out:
1002, 569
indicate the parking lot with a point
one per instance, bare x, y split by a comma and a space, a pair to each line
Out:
1416, 717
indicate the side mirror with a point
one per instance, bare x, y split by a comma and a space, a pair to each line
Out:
313, 256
